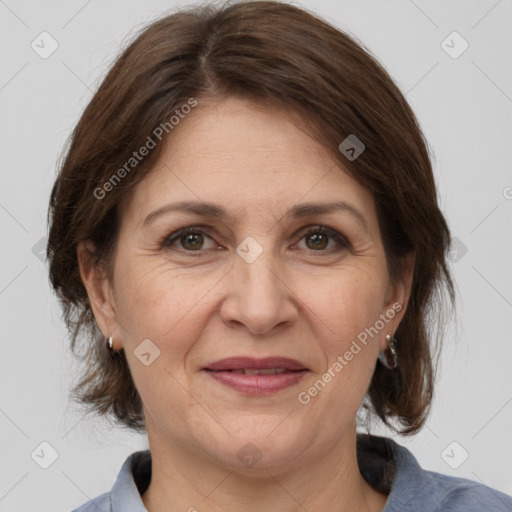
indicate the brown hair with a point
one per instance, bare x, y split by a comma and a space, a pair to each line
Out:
283, 56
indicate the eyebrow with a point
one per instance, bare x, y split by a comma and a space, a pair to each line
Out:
214, 211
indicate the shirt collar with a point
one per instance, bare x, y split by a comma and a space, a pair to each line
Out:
132, 481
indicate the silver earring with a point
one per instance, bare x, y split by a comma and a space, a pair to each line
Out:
110, 344
389, 357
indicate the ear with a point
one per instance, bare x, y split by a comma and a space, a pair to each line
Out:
99, 290
398, 296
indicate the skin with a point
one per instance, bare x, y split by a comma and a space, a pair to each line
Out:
198, 301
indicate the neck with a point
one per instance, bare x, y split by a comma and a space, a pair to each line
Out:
189, 481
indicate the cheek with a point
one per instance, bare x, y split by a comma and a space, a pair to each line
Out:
168, 307
349, 355
154, 300
345, 309
346, 304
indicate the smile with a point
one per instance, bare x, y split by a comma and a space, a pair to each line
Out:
254, 376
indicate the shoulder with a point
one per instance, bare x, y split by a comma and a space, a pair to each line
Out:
102, 503
391, 468
415, 488
125, 496
466, 495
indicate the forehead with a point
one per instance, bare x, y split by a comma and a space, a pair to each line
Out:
248, 157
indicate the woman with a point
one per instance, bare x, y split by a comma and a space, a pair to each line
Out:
246, 239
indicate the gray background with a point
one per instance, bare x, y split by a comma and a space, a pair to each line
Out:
464, 105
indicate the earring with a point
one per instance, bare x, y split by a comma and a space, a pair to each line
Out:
389, 357
110, 345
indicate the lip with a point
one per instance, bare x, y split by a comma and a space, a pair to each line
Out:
266, 384
253, 363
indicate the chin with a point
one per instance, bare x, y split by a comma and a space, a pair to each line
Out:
258, 441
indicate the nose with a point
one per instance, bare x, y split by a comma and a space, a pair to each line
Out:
258, 298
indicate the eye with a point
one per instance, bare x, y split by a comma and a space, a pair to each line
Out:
319, 239
190, 239
323, 239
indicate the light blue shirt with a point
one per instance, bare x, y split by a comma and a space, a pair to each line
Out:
385, 465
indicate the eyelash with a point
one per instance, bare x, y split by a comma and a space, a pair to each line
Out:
343, 243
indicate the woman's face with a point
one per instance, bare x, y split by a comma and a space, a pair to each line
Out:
270, 270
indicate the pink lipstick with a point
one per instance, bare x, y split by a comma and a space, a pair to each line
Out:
256, 376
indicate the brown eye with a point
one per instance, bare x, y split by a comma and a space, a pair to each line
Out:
324, 240
189, 240
317, 241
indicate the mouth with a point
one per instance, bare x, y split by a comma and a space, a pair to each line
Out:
257, 376
255, 371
